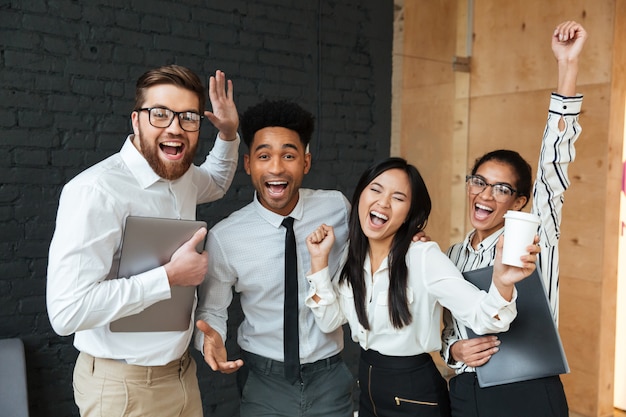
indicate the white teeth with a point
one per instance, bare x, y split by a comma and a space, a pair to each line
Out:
277, 182
379, 215
480, 206
173, 144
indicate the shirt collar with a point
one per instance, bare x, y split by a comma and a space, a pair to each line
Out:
137, 164
488, 243
275, 219
367, 265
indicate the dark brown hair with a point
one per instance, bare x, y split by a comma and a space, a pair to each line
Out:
170, 74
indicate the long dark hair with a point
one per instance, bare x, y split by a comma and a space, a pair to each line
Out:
398, 272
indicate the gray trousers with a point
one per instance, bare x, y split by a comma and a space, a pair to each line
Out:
325, 389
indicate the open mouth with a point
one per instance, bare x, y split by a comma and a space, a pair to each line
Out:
276, 187
172, 148
378, 219
482, 212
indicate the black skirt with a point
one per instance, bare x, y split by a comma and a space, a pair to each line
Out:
401, 386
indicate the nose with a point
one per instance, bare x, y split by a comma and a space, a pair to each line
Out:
487, 193
384, 201
174, 127
276, 165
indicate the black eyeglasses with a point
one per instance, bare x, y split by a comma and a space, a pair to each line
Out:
163, 117
501, 192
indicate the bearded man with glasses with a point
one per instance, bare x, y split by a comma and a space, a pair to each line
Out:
153, 175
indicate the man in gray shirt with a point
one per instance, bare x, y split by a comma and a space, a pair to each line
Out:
248, 252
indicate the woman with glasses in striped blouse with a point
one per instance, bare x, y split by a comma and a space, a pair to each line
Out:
501, 181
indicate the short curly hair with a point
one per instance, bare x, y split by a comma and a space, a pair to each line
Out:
279, 113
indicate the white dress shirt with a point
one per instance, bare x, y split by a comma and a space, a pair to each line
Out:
85, 250
557, 152
433, 282
247, 250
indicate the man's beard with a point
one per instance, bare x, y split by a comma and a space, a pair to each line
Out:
169, 171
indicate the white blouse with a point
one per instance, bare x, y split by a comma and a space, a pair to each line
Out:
434, 282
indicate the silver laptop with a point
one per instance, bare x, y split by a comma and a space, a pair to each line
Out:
148, 243
532, 347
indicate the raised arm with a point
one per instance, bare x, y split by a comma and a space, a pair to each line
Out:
224, 115
322, 296
557, 152
214, 176
567, 43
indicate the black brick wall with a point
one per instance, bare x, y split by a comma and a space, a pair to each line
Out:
67, 74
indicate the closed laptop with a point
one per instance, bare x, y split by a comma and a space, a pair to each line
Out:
148, 243
532, 347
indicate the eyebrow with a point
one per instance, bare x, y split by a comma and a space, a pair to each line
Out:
495, 183
285, 146
395, 192
161, 106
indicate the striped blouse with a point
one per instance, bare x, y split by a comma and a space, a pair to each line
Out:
557, 152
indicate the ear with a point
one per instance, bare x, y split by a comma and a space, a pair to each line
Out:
520, 202
307, 162
134, 119
246, 163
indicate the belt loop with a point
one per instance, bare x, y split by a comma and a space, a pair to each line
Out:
149, 375
92, 364
269, 365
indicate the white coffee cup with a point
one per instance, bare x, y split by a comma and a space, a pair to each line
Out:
520, 229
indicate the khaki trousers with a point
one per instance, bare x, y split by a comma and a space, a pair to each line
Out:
110, 388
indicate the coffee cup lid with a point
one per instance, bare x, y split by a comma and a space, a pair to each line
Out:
521, 215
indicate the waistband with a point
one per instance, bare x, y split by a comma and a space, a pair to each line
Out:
265, 365
471, 378
119, 369
377, 359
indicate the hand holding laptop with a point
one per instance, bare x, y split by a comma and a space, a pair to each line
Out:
178, 246
475, 352
187, 267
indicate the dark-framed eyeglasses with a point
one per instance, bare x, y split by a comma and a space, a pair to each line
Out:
501, 192
163, 117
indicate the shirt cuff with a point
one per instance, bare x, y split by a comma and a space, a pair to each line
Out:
155, 285
495, 305
565, 105
226, 149
452, 364
319, 283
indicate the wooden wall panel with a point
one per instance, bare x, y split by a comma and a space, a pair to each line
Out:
616, 139
430, 29
428, 100
510, 51
426, 132
512, 73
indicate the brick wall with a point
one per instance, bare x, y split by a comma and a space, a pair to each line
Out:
67, 74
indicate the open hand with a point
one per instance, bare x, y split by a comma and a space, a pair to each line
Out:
215, 351
224, 115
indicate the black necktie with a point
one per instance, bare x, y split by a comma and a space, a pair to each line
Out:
290, 327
